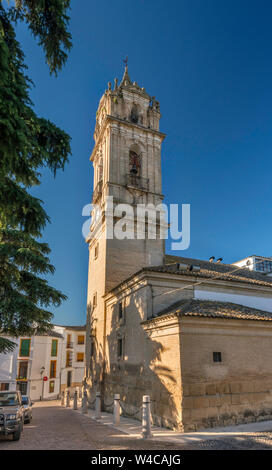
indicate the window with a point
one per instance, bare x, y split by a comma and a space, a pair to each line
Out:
25, 348
51, 386
100, 170
22, 372
120, 348
9, 399
80, 339
53, 368
80, 357
134, 115
94, 300
217, 357
69, 378
22, 386
121, 311
264, 266
96, 251
92, 348
54, 347
69, 359
4, 386
134, 163
69, 342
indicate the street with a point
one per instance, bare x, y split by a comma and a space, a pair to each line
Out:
55, 427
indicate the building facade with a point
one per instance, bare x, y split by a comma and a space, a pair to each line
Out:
42, 366
257, 263
201, 351
72, 361
194, 335
8, 369
127, 168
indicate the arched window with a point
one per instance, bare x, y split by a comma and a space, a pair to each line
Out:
100, 170
134, 114
134, 163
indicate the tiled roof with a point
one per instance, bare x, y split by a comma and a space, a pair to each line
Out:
214, 309
76, 327
52, 333
205, 270
211, 270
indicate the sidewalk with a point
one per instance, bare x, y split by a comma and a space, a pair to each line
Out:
133, 429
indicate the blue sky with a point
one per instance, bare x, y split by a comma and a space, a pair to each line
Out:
209, 64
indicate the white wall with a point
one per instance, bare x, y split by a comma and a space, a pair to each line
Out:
40, 356
259, 302
243, 263
77, 368
8, 367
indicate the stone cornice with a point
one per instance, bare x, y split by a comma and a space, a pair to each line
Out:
160, 321
144, 273
109, 118
119, 185
131, 285
194, 278
193, 324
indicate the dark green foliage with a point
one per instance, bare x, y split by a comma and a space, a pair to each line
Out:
6, 345
47, 20
27, 144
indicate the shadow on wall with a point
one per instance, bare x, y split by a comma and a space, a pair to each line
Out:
94, 357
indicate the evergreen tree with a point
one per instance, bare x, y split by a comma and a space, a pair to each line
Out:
27, 144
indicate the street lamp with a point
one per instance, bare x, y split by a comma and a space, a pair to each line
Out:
42, 372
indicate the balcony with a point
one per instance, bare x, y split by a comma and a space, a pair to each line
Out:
138, 182
97, 192
69, 363
22, 371
69, 345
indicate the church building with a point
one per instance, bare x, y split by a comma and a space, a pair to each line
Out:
194, 335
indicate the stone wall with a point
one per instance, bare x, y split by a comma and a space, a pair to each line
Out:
116, 134
236, 390
150, 363
206, 405
170, 358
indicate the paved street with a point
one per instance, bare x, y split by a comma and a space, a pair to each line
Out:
54, 427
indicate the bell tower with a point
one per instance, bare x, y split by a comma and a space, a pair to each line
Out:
127, 168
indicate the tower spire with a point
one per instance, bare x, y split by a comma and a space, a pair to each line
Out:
126, 78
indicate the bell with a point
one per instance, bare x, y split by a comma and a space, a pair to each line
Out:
134, 170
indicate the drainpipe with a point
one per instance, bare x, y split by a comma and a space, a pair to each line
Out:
150, 301
102, 388
29, 371
61, 368
42, 372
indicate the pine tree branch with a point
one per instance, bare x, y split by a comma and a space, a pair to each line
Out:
48, 21
6, 345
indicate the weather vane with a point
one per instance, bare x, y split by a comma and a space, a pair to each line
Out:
125, 61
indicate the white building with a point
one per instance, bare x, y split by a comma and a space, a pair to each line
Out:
8, 369
42, 366
73, 355
257, 263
